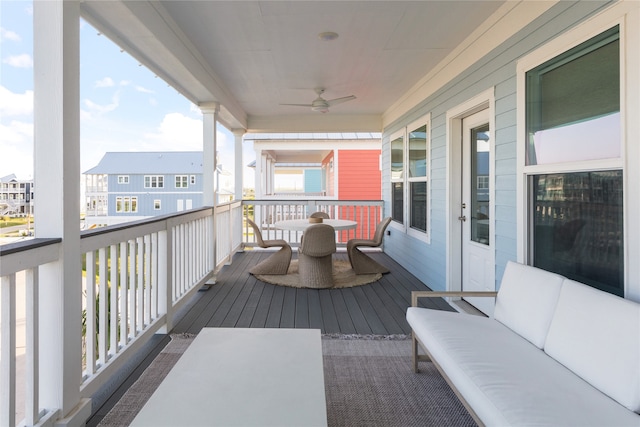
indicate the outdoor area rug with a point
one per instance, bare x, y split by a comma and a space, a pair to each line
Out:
369, 382
343, 276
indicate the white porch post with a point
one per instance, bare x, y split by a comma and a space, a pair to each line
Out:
57, 177
238, 160
209, 147
258, 181
210, 112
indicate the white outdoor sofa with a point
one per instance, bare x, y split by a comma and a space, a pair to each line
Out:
555, 353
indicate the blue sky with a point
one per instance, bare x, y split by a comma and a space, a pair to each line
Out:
124, 106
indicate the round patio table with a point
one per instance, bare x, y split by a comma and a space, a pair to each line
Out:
302, 224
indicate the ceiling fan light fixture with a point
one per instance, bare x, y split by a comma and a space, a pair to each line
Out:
328, 36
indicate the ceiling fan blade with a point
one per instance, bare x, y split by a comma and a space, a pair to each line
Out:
336, 101
299, 105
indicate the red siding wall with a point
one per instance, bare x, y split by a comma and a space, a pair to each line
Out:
359, 176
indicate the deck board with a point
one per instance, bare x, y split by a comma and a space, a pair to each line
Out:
238, 299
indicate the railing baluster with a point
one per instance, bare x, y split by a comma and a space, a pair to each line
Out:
8, 356
140, 283
90, 312
154, 275
103, 315
133, 306
148, 279
114, 291
124, 295
32, 376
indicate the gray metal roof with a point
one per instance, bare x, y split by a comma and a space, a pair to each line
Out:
165, 162
9, 178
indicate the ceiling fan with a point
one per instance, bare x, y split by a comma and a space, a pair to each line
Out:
321, 104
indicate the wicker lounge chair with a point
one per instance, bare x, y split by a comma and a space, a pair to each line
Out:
315, 263
361, 263
319, 214
278, 263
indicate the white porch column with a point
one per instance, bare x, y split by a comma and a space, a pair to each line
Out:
258, 183
210, 112
238, 160
57, 206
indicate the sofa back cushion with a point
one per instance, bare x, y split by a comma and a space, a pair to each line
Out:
597, 336
526, 301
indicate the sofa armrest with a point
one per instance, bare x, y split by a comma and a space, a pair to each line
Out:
431, 294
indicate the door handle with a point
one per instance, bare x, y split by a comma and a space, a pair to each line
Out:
462, 218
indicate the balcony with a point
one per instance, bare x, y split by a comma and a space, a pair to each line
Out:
158, 266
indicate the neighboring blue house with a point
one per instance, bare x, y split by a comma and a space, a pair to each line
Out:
129, 186
16, 196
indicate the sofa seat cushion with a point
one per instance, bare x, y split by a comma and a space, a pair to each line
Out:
597, 336
527, 300
507, 380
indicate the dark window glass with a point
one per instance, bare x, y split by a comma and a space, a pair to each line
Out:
419, 205
397, 202
578, 227
573, 104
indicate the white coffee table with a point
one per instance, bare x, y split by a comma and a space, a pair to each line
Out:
243, 377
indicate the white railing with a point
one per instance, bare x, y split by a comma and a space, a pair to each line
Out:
137, 277
19, 307
266, 212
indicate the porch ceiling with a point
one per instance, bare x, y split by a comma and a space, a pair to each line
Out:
252, 56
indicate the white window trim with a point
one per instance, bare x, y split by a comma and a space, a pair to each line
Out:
426, 235
617, 14
394, 224
158, 203
157, 177
123, 179
406, 180
184, 179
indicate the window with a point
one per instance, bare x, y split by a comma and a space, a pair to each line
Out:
182, 181
397, 178
409, 178
157, 205
573, 164
483, 182
193, 180
154, 181
123, 179
126, 204
417, 153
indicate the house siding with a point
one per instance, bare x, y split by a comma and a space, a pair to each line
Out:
498, 71
168, 195
360, 179
359, 175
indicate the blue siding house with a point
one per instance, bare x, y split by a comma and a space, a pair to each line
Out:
129, 186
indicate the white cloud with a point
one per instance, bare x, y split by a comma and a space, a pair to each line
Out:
144, 90
106, 82
9, 35
19, 61
177, 132
15, 104
98, 109
17, 149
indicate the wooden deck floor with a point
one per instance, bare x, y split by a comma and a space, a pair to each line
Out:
240, 300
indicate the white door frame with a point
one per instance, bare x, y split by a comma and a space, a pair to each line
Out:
454, 119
